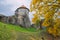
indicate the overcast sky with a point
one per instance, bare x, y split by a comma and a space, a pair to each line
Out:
7, 7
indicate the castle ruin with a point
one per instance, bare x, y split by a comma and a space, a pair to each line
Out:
21, 17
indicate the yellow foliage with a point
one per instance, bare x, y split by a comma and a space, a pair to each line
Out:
47, 8
46, 23
58, 1
36, 17
34, 2
45, 0
50, 30
55, 30
59, 14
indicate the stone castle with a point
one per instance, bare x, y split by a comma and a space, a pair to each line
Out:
21, 17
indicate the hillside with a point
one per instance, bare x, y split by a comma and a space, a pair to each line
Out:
14, 32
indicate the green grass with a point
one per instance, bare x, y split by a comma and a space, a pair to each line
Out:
14, 32
18, 28
6, 33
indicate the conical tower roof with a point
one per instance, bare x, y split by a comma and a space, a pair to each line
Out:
22, 7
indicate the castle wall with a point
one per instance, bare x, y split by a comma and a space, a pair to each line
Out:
22, 16
3, 19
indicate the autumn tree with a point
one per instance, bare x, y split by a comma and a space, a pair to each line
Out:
50, 11
36, 20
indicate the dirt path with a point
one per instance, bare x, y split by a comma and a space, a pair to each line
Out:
33, 36
26, 36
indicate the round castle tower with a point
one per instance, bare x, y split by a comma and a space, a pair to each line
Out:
22, 16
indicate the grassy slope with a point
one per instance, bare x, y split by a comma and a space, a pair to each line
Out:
16, 32
17, 28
